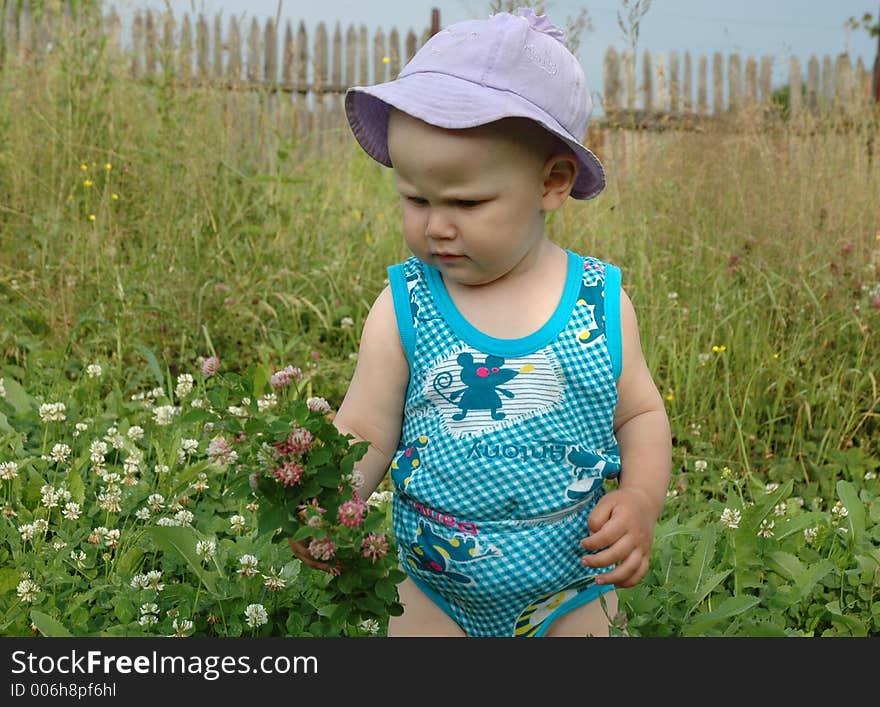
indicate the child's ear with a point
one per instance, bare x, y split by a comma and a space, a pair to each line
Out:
560, 172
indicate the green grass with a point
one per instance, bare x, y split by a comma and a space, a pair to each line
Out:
234, 238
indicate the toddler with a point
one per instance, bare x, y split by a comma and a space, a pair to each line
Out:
500, 377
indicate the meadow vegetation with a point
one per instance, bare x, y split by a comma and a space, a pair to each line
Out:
148, 231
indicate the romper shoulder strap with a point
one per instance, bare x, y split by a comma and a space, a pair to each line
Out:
403, 308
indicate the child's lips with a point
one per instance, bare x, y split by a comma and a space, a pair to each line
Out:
448, 256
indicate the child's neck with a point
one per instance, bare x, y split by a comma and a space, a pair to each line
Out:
519, 303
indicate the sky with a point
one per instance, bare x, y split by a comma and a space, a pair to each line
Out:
780, 28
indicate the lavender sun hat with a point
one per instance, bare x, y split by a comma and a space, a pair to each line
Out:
479, 71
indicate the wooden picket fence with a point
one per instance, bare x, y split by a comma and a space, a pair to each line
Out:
301, 79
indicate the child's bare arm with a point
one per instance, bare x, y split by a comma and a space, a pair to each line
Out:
623, 521
373, 406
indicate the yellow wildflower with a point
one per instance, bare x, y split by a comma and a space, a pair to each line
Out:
385, 60
91, 217
108, 166
87, 182
114, 196
84, 168
719, 349
670, 397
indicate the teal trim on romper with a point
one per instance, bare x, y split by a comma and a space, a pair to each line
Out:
612, 318
583, 597
509, 348
400, 296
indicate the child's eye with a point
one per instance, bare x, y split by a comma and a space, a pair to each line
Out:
468, 204
417, 201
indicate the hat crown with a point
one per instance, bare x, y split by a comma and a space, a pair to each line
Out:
521, 53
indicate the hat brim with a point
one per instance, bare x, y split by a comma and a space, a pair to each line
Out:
449, 102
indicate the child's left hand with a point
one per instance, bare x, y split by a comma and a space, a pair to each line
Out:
622, 524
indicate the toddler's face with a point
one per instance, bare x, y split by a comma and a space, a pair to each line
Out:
471, 200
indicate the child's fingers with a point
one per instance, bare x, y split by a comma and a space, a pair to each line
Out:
600, 513
627, 573
615, 552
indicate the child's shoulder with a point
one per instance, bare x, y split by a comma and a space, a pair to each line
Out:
596, 268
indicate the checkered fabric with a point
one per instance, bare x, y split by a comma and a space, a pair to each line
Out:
504, 450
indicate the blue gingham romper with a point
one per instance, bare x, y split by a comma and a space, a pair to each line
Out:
504, 450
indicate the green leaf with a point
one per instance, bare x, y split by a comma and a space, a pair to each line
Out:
4, 424
706, 588
124, 610
271, 517
699, 565
785, 564
733, 606
76, 487
48, 626
152, 364
181, 541
855, 510
814, 573
18, 397
9, 579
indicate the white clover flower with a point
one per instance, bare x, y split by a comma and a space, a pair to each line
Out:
703, 358
377, 498
139, 581
58, 544
183, 517
149, 608
256, 615
132, 463
237, 411
184, 387
700, 465
840, 510
766, 529
26, 531
97, 451
157, 392
110, 500
201, 483
370, 626
156, 502
27, 590
53, 412
346, 323
143, 514
771, 487
269, 400
672, 295
71, 511
135, 433
41, 525
79, 559
153, 580
780, 509
161, 468
111, 540
206, 549
870, 475
8, 470
237, 524
810, 534
273, 581
60, 453
2, 389
248, 565
148, 619
167, 522
114, 438
731, 517
180, 627
80, 427
190, 446
164, 415
94, 370
199, 403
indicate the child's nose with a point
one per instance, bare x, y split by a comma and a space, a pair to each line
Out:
439, 225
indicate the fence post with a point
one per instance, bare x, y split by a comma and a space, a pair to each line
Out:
673, 82
766, 79
687, 89
184, 56
137, 45
794, 88
734, 83
203, 48
702, 88
717, 84
647, 82
813, 84
612, 81
233, 62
